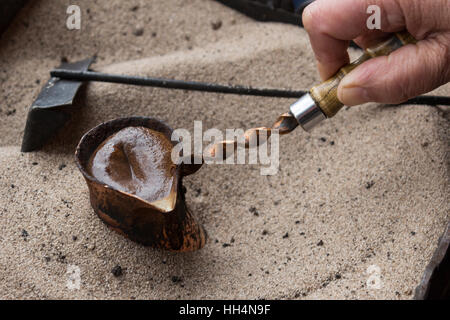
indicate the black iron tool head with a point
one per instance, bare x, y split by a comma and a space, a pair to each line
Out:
47, 113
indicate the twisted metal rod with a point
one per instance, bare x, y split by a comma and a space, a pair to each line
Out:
285, 124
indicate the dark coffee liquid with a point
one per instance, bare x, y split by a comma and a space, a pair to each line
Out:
135, 160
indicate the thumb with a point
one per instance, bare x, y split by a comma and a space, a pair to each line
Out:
405, 73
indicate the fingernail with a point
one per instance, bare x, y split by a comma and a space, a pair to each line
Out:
352, 96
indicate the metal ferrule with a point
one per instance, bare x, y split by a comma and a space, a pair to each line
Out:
307, 113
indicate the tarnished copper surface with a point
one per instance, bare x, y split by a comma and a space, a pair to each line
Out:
435, 283
164, 223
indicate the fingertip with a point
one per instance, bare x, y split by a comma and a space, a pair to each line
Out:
340, 94
308, 16
353, 96
322, 71
353, 88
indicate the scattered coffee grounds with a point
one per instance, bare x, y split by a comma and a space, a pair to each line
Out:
135, 160
117, 271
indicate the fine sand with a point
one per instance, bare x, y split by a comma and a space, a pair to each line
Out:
365, 191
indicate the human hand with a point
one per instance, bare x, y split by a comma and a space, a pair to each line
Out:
407, 72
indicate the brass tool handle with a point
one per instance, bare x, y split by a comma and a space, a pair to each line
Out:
325, 94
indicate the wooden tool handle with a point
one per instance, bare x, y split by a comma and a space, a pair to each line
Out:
325, 94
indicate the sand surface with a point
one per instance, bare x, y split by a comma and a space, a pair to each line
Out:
369, 188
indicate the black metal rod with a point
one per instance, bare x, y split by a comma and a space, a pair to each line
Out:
429, 100
210, 87
173, 84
